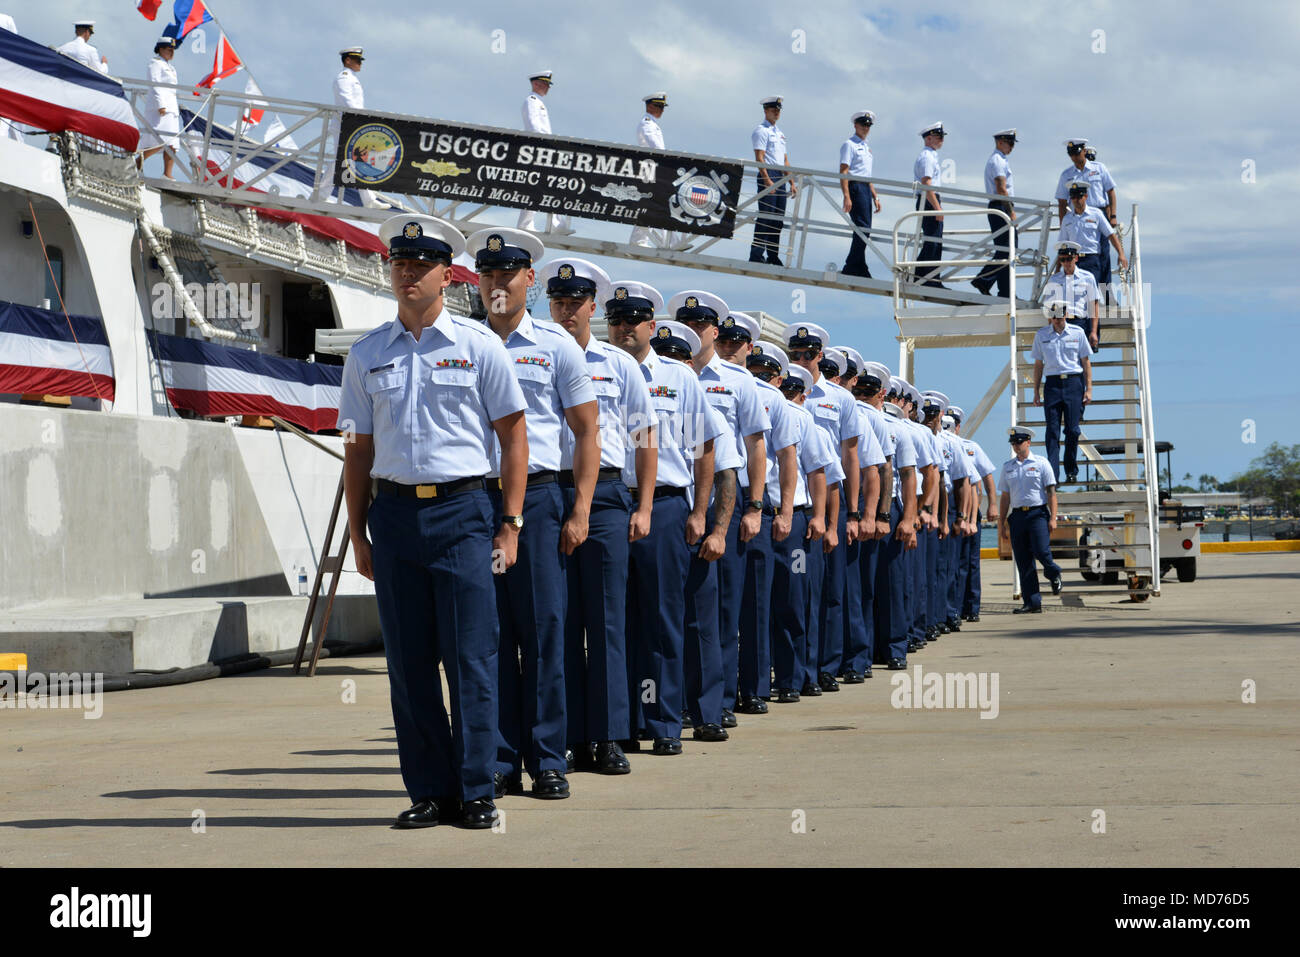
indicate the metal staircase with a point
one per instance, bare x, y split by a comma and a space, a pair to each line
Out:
1107, 538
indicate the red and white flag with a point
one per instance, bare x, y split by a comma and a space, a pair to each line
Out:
225, 63
254, 111
149, 8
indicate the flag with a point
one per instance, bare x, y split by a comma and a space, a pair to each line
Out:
45, 352
254, 111
186, 15
55, 93
211, 379
149, 8
225, 63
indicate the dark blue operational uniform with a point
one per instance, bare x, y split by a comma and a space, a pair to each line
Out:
766, 362
595, 641
856, 160
770, 140
1064, 354
927, 167
660, 562
430, 404
798, 556
1030, 485
533, 593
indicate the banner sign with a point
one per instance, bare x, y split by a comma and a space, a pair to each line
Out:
475, 164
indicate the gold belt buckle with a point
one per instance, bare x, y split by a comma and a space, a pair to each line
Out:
426, 491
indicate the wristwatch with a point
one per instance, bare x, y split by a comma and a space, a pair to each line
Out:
927, 509
855, 516
882, 516
754, 505
514, 521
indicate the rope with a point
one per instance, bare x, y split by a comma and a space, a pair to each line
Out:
58, 292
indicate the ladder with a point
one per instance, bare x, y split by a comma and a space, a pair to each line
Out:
1107, 536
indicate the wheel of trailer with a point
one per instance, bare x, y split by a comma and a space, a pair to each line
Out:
1186, 569
1091, 577
1135, 584
1110, 578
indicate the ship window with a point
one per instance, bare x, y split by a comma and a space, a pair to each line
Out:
54, 285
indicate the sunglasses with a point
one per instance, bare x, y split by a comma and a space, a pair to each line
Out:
613, 321
763, 375
804, 354
1067, 254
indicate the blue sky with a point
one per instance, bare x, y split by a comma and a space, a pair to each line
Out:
1179, 100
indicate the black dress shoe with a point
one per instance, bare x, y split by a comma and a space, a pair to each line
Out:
755, 259
852, 677
1057, 584
860, 271
747, 705
610, 759
1027, 610
866, 674
420, 814
774, 261
971, 618
810, 690
666, 746
913, 647
709, 732
954, 624
729, 719
787, 696
983, 287
478, 814
502, 785
630, 745
897, 664
550, 786
687, 720
570, 760
583, 757
826, 681
934, 284
1071, 478
945, 628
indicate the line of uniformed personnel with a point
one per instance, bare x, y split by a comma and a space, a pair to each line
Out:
602, 543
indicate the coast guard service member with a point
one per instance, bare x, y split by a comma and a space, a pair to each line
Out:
926, 172
968, 595
1077, 287
538, 120
660, 562
595, 638
1101, 187
79, 47
1028, 488
798, 557
859, 198
422, 400
768, 365
768, 143
893, 623
1087, 226
161, 108
650, 136
348, 95
997, 180
875, 527
927, 493
955, 527
531, 595
832, 409
733, 393
933, 405
1061, 353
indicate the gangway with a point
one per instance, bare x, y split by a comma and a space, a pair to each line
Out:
814, 239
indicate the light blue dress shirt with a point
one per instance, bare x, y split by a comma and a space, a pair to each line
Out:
815, 452
995, 167
1095, 175
769, 138
856, 155
785, 431
927, 164
624, 404
1061, 352
429, 404
685, 421
1027, 481
1079, 289
905, 451
732, 392
1089, 229
835, 410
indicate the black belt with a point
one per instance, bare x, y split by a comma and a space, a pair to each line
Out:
604, 475
668, 491
769, 510
1064, 375
436, 490
1028, 508
534, 478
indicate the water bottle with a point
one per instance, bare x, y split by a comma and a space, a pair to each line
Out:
302, 580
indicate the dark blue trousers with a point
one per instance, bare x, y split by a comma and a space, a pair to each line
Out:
958, 559
930, 572
816, 589
868, 562
1063, 399
932, 248
531, 599
656, 619
771, 217
970, 602
790, 603
702, 651
995, 273
855, 641
830, 626
755, 645
1092, 263
860, 215
437, 606
595, 637
939, 583
892, 623
1030, 541
917, 591
731, 583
